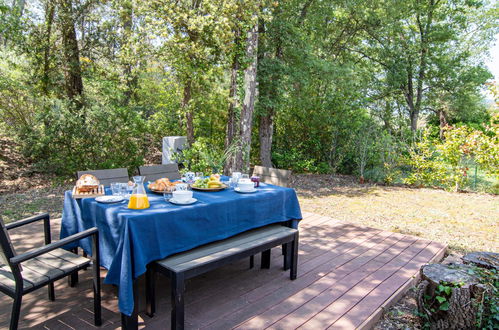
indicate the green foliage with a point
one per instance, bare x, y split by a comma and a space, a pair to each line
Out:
298, 162
439, 302
488, 306
64, 141
447, 163
333, 75
204, 156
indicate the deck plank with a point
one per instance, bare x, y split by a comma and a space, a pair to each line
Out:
353, 272
347, 273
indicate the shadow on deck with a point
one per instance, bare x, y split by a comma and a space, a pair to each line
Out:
347, 274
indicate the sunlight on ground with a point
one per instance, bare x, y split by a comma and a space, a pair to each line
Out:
464, 221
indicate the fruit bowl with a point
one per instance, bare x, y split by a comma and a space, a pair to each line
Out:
222, 187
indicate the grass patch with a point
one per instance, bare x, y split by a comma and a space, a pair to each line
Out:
464, 221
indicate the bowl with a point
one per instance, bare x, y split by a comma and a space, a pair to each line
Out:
182, 195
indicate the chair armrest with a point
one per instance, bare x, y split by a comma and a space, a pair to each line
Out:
50, 247
46, 224
19, 223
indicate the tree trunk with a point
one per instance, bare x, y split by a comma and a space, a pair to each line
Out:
266, 127
462, 302
443, 122
49, 12
73, 79
414, 114
189, 115
130, 78
246, 121
231, 130
266, 130
409, 98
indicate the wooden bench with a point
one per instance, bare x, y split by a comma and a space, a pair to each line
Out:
200, 260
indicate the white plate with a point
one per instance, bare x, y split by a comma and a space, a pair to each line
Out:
245, 191
109, 199
187, 202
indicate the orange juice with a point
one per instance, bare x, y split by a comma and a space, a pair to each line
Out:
138, 201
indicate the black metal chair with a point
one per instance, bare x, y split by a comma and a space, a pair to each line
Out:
154, 172
29, 271
273, 175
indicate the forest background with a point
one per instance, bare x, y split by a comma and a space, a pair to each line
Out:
391, 91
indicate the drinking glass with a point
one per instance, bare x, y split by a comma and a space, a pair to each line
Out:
244, 176
236, 175
115, 188
235, 179
128, 189
167, 193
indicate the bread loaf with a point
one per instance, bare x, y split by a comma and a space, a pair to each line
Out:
87, 182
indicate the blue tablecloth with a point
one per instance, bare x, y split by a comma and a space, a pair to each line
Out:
130, 239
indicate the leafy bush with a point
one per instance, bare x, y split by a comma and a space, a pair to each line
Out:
204, 156
447, 163
298, 162
66, 139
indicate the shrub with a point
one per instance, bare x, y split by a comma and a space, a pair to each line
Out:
66, 139
447, 163
205, 156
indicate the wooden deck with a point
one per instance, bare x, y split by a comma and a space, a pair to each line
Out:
347, 274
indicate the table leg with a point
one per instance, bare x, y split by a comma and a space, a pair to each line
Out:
132, 322
150, 291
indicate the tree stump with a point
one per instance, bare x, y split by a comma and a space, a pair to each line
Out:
460, 309
489, 260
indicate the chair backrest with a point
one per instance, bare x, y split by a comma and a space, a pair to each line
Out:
154, 172
7, 251
273, 175
107, 176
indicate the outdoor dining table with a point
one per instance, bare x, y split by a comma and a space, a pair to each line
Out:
131, 239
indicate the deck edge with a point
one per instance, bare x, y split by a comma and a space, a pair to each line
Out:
376, 316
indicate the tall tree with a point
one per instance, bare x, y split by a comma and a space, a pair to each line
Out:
71, 51
128, 58
408, 40
49, 20
246, 122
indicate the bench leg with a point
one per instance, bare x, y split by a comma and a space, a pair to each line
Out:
265, 259
294, 260
177, 301
51, 291
150, 292
252, 261
287, 255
